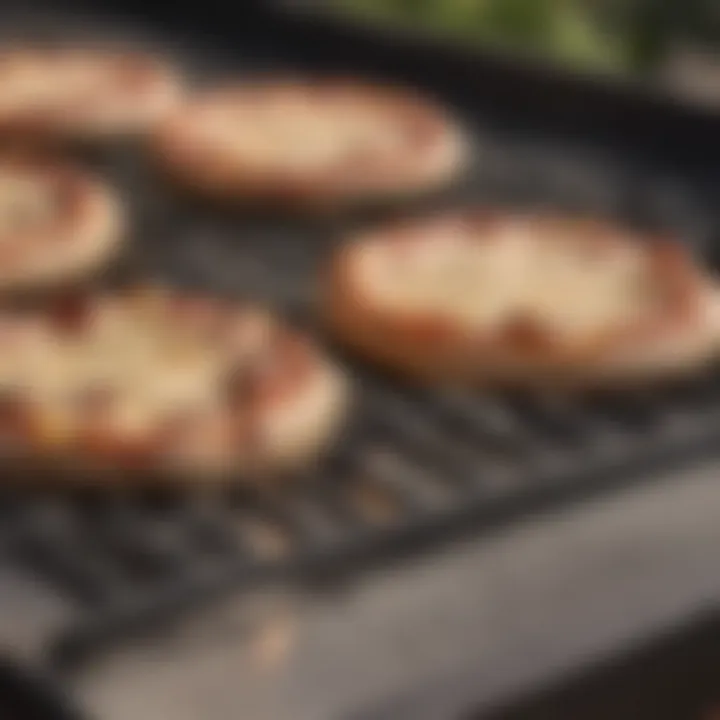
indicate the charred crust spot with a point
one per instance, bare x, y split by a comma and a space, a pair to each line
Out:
526, 334
13, 411
72, 312
241, 387
96, 401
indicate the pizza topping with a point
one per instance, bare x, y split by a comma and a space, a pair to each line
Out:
515, 274
72, 312
293, 132
125, 377
26, 205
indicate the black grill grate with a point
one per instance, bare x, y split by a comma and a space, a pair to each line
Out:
415, 465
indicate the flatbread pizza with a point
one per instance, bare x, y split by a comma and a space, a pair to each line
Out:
490, 297
311, 143
76, 93
156, 384
58, 224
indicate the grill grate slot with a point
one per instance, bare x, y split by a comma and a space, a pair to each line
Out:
147, 547
51, 541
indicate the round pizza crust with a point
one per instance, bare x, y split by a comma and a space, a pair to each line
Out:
58, 224
152, 385
482, 298
311, 143
76, 93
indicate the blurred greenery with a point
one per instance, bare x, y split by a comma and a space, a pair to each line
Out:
610, 35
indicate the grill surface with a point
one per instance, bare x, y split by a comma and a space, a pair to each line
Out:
414, 465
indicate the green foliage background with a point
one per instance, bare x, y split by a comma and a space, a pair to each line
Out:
609, 35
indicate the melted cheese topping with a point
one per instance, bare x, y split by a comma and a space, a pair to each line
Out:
484, 284
148, 372
26, 204
295, 133
43, 83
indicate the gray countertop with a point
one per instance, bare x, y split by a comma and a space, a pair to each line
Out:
515, 609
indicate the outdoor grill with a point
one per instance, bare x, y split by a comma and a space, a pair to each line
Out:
414, 466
